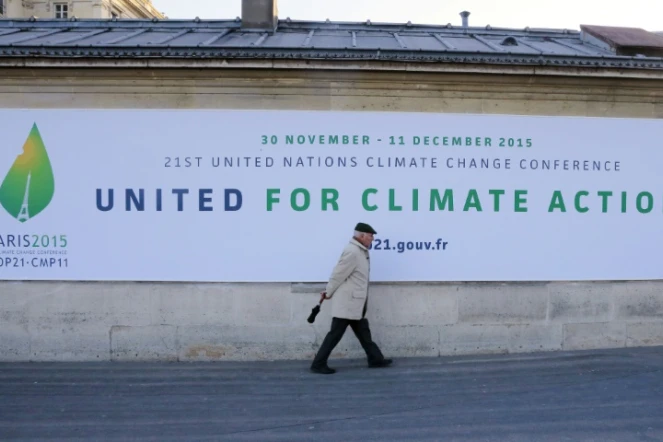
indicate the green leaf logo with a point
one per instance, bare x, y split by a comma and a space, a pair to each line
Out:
29, 185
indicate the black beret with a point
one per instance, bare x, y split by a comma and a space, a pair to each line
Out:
361, 227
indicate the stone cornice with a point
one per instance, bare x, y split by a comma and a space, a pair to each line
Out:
111, 62
140, 8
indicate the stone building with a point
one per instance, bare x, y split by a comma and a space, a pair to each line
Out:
262, 62
82, 9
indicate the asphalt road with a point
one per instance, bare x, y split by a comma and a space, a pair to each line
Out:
585, 396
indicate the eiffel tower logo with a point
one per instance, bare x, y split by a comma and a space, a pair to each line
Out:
24, 214
29, 185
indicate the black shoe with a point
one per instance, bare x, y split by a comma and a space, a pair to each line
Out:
382, 363
323, 370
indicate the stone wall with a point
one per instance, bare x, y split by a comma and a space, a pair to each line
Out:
331, 90
143, 321
203, 322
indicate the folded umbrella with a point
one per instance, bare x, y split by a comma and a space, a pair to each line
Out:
314, 312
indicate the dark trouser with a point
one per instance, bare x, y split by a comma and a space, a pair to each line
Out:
362, 332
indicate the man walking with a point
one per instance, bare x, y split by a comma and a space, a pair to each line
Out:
348, 285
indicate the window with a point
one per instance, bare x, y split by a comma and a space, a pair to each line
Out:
61, 10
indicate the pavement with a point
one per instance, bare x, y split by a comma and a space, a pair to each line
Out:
607, 395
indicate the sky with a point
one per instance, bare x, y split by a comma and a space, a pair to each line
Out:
561, 14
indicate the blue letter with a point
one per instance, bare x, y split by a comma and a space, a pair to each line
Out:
139, 203
238, 205
100, 206
202, 200
179, 193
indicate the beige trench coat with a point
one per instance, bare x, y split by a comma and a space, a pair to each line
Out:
348, 284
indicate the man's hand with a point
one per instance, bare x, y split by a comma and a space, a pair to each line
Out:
323, 296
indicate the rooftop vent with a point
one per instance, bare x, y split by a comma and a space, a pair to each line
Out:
465, 14
260, 15
509, 41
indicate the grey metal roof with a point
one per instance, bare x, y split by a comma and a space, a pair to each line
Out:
205, 39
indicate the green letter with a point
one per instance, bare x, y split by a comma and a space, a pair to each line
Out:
435, 200
326, 200
578, 208
364, 200
605, 195
293, 199
497, 194
392, 204
650, 202
520, 200
472, 195
271, 199
557, 202
415, 200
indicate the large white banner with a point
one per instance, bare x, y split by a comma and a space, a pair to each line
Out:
197, 195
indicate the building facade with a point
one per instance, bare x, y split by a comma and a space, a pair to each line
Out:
161, 290
82, 9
